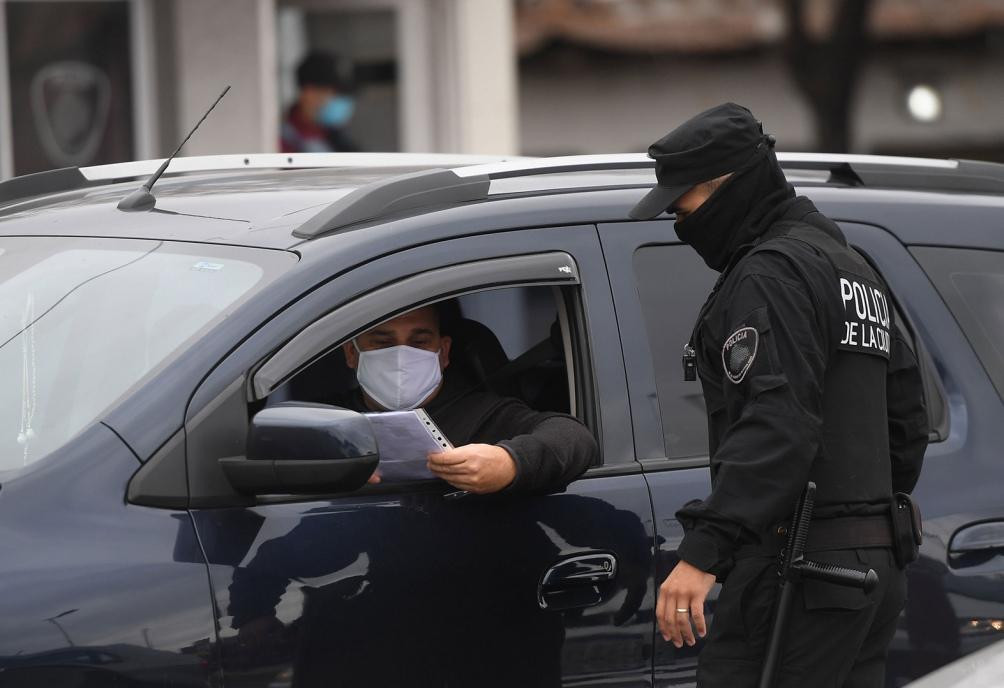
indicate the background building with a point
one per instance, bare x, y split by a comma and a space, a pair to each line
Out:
918, 77
92, 81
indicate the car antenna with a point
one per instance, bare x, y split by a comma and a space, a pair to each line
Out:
141, 198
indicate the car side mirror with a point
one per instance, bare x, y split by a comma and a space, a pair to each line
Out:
303, 448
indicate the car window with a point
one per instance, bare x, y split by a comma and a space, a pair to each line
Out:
971, 282
510, 341
83, 320
519, 318
672, 285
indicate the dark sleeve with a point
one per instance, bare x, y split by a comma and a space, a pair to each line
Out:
550, 449
909, 426
774, 416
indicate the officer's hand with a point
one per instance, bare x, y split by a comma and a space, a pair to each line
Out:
478, 468
686, 587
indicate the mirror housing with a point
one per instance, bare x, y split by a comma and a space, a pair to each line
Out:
303, 448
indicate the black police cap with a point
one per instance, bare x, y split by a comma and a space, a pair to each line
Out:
713, 143
321, 68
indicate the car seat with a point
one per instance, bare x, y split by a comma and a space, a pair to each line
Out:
475, 353
538, 376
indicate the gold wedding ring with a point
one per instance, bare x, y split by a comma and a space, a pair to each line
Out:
682, 611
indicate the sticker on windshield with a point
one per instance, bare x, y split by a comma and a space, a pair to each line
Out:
207, 266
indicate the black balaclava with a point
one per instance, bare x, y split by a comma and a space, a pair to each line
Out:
738, 211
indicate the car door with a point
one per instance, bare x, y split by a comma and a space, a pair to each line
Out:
659, 286
411, 584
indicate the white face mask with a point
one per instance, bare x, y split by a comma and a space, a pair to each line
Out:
398, 377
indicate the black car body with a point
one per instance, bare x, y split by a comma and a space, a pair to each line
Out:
138, 346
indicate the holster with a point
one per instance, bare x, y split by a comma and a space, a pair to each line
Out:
906, 529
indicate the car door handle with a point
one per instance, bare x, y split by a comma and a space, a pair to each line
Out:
577, 581
978, 537
976, 543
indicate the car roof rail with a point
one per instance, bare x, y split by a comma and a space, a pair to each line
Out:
440, 187
386, 196
969, 176
447, 183
805, 161
851, 170
52, 181
917, 174
261, 161
73, 178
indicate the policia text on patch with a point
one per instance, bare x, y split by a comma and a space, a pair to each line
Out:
866, 317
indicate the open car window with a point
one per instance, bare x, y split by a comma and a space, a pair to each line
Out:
511, 341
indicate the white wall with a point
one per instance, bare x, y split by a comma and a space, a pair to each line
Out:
474, 77
227, 42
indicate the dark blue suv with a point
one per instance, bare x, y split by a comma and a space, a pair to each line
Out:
147, 542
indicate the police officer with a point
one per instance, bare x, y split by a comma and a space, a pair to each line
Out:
805, 377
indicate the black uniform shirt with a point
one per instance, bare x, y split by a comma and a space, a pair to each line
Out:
764, 341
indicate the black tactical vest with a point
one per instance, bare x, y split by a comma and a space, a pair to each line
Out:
853, 464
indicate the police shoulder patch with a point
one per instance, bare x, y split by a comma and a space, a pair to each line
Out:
738, 353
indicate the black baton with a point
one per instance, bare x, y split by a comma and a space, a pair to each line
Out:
793, 567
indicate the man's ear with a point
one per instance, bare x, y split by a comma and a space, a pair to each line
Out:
444, 351
351, 355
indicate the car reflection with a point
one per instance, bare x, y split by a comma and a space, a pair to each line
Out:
108, 665
419, 591
955, 605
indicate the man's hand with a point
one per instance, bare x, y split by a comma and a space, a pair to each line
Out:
478, 468
686, 587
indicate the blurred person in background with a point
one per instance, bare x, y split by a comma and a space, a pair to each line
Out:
316, 122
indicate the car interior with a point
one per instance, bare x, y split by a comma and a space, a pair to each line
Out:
512, 341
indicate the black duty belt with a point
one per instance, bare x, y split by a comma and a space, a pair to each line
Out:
828, 534
849, 532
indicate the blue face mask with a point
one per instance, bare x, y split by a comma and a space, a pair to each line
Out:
336, 111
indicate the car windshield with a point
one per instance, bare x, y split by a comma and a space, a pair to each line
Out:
83, 320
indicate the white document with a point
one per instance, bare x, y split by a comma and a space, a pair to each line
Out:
404, 438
